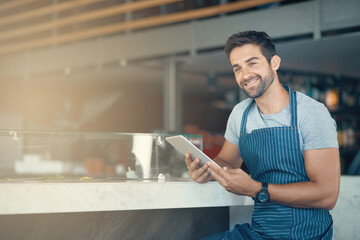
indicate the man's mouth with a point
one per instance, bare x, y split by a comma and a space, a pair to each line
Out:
251, 82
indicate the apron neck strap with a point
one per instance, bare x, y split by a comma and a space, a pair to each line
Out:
244, 117
293, 109
293, 106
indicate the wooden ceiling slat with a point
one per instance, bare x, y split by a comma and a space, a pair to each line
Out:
136, 24
14, 4
45, 11
85, 17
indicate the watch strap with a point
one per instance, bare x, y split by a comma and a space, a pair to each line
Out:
263, 195
264, 186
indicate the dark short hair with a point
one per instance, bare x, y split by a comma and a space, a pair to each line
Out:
260, 39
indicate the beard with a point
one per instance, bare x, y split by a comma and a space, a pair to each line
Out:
261, 88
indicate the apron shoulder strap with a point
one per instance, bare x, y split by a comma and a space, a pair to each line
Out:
244, 117
293, 106
293, 109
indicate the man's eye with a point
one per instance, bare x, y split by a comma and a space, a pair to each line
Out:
252, 63
236, 69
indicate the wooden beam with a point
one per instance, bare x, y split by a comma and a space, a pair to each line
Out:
136, 24
45, 10
85, 17
14, 4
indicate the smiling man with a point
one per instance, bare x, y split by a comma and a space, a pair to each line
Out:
287, 140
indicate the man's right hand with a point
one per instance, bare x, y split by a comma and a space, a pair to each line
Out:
198, 174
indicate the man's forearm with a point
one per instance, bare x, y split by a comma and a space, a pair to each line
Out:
304, 195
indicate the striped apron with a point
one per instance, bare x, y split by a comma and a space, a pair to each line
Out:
273, 155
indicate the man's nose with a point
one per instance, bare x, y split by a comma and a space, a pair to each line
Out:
246, 73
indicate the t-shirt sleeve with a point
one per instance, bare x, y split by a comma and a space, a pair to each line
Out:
318, 128
232, 132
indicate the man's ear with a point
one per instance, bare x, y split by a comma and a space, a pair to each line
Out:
275, 62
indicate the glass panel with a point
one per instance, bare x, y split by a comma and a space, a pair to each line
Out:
90, 156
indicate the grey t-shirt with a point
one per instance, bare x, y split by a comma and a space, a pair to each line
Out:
317, 129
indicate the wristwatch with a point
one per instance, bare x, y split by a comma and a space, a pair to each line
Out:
263, 196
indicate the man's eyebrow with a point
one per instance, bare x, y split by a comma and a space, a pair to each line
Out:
235, 65
248, 60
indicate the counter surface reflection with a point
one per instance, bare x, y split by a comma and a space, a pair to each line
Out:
79, 156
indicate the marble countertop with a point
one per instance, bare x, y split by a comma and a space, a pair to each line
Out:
59, 197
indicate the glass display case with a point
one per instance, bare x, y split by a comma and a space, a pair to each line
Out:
91, 156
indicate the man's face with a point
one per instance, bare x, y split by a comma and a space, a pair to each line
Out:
252, 71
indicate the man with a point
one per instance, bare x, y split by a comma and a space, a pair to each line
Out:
287, 140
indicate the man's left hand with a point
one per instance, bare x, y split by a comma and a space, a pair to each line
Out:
235, 180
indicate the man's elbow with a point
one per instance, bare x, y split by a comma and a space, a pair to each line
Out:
330, 205
330, 195
330, 202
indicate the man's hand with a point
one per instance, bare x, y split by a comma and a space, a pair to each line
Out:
198, 174
235, 180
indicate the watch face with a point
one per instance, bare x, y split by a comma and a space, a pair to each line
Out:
263, 197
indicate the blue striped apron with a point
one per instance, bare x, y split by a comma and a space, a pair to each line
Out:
273, 155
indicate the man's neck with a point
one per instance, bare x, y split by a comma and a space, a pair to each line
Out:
275, 99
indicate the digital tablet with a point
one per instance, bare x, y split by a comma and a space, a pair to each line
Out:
185, 146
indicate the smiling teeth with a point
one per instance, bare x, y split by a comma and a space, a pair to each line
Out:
250, 83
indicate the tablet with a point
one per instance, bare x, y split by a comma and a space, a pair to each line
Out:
185, 146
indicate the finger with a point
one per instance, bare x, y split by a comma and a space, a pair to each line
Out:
188, 159
194, 166
218, 174
215, 175
190, 163
200, 172
218, 170
206, 177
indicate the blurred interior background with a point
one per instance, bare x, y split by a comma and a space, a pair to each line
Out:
89, 89
159, 66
